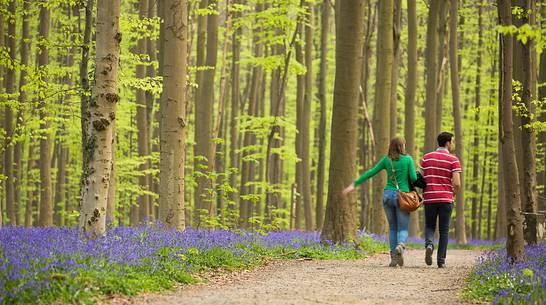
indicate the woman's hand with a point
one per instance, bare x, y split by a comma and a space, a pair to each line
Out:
349, 189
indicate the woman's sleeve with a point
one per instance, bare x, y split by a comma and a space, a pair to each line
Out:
370, 173
412, 173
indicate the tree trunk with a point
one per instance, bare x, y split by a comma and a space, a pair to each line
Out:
2, 30
111, 202
143, 200
152, 131
490, 200
441, 77
431, 65
18, 150
46, 204
382, 111
173, 54
306, 119
514, 242
8, 118
500, 217
477, 125
101, 120
411, 88
527, 71
397, 30
84, 83
204, 100
459, 148
31, 198
300, 79
322, 80
339, 222
541, 179
235, 102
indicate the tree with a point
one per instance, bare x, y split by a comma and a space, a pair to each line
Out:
411, 87
382, 111
204, 108
8, 119
477, 125
525, 72
142, 123
46, 202
101, 119
323, 70
514, 241
173, 54
306, 119
431, 65
339, 222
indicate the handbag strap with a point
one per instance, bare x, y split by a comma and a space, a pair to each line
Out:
394, 174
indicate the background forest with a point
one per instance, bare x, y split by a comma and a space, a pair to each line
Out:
256, 113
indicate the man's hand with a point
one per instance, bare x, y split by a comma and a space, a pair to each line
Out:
456, 182
349, 189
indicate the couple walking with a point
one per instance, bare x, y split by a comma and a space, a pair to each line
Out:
441, 171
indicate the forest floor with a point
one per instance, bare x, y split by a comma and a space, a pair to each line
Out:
334, 282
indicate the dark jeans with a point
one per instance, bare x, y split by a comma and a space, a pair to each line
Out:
442, 212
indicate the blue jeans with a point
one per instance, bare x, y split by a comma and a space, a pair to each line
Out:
398, 219
442, 212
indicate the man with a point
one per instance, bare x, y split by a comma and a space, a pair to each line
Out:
442, 173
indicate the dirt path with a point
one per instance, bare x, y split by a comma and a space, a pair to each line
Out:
367, 281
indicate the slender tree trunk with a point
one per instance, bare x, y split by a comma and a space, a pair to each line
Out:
84, 82
46, 202
300, 79
477, 125
339, 222
490, 200
152, 131
527, 70
411, 88
441, 78
382, 111
143, 200
235, 102
203, 112
541, 179
173, 52
500, 217
248, 167
2, 41
459, 148
31, 201
8, 116
306, 119
322, 79
18, 150
431, 57
514, 242
396, 29
101, 120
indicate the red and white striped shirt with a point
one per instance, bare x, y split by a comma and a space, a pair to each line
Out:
438, 168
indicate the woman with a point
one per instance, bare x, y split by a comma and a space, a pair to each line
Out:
404, 172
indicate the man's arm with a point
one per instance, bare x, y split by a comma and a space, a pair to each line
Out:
456, 182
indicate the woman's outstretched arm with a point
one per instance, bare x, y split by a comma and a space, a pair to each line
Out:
367, 175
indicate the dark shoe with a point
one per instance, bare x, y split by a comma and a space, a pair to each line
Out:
394, 260
441, 265
399, 252
428, 254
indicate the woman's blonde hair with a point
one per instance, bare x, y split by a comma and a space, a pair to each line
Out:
397, 148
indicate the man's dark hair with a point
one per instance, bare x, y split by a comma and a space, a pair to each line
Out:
443, 138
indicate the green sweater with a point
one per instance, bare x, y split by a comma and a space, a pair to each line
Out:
403, 168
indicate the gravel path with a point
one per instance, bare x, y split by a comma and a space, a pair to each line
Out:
367, 281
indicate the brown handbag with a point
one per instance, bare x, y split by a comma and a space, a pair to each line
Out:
409, 201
